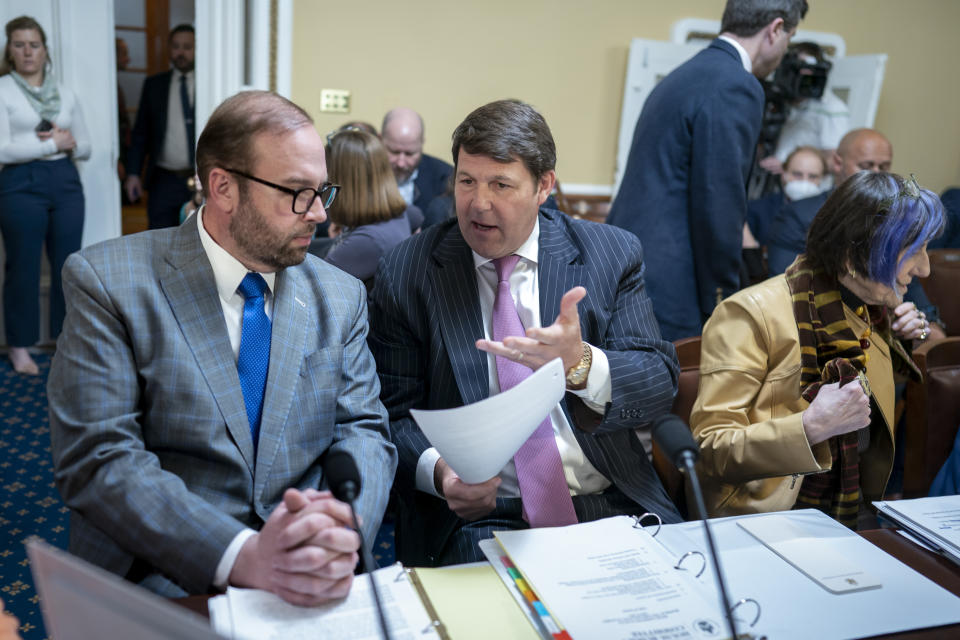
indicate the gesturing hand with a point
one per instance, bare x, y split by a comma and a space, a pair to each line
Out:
836, 410
541, 345
305, 553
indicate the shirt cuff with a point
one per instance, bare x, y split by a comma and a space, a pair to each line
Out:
50, 147
425, 467
599, 387
229, 558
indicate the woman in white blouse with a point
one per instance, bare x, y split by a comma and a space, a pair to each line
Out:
41, 201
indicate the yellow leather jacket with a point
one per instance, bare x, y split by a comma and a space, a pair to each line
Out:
747, 416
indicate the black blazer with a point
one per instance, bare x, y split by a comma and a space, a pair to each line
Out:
684, 187
425, 318
151, 126
433, 177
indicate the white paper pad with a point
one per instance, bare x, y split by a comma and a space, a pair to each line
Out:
478, 439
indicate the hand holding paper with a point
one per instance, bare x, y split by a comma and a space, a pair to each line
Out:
477, 440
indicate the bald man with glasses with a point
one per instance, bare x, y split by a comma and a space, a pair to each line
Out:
204, 371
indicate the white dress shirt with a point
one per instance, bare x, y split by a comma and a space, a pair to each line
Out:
582, 477
228, 272
408, 188
744, 56
174, 156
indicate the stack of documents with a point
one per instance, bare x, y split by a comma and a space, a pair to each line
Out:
796, 574
935, 521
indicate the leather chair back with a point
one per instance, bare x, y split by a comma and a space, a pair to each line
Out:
932, 414
943, 286
688, 353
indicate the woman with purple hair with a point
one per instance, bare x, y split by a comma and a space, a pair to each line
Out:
797, 373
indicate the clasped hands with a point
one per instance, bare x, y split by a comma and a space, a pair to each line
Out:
540, 346
305, 553
909, 323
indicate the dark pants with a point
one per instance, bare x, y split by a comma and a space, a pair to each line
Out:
168, 191
40, 201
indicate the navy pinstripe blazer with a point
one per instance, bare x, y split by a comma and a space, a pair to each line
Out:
425, 318
151, 443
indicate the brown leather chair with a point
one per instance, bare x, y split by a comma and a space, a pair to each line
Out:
933, 413
688, 353
943, 285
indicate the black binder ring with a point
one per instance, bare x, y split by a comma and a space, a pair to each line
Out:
703, 566
638, 522
741, 601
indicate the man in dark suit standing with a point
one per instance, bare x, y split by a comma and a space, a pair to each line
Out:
420, 177
684, 187
524, 284
164, 135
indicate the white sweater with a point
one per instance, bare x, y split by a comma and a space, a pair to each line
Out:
18, 120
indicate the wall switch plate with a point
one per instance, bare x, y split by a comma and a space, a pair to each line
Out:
334, 101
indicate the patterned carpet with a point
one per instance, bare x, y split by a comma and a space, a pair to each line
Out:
29, 503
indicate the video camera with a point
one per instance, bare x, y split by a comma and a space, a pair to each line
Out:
802, 74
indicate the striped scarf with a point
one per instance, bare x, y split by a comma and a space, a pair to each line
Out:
830, 352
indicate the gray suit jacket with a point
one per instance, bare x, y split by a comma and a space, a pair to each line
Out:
425, 318
151, 443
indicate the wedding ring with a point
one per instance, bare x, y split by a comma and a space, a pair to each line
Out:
925, 332
520, 357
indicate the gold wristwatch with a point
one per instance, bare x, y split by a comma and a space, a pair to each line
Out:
577, 374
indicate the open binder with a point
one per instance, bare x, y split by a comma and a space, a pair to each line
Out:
613, 579
424, 604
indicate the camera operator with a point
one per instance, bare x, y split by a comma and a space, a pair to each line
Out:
812, 116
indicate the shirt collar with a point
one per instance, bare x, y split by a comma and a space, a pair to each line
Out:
744, 56
411, 179
177, 73
529, 250
228, 272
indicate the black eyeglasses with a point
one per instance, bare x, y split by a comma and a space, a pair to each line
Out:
302, 198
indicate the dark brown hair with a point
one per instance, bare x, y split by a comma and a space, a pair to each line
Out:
508, 130
227, 138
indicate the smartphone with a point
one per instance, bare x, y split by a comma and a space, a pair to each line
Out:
45, 125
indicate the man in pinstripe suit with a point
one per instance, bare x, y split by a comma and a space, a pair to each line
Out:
431, 334
176, 479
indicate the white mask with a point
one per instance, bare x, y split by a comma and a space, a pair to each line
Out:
800, 189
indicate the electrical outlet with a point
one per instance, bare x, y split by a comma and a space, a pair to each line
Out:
334, 101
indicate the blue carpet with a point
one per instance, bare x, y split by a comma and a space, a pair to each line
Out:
29, 503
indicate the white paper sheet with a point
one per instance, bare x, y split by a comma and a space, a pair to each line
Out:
260, 615
796, 608
608, 580
935, 520
478, 439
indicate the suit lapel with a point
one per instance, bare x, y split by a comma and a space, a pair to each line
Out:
560, 268
458, 312
291, 320
191, 291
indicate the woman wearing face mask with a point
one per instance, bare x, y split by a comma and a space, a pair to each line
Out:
803, 171
42, 133
796, 400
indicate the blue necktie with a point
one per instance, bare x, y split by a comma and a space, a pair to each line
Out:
254, 355
187, 117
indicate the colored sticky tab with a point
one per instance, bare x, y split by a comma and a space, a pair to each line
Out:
542, 610
563, 635
514, 573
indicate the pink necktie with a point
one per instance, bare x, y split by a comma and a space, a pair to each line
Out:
543, 487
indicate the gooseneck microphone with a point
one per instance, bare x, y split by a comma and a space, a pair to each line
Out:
673, 436
343, 478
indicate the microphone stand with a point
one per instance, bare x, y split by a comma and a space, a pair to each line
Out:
368, 564
688, 459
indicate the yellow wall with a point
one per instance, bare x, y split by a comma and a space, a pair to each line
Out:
568, 58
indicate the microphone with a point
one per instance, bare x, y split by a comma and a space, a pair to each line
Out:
673, 436
343, 478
